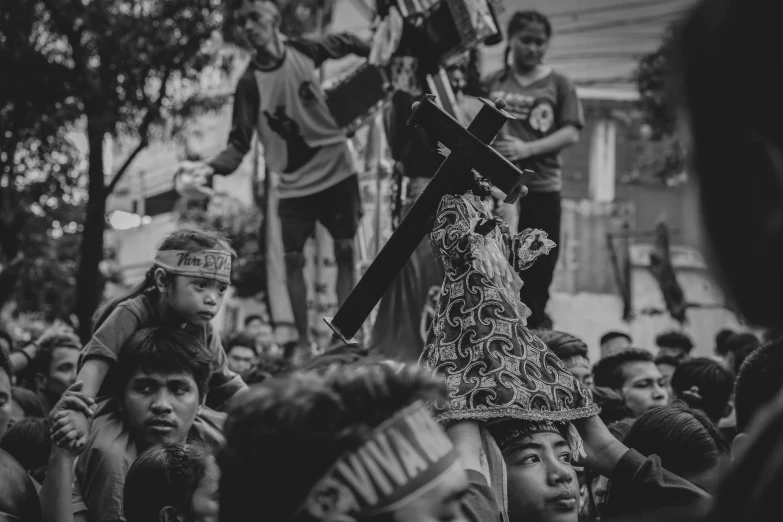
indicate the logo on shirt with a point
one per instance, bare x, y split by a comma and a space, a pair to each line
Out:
297, 150
307, 92
542, 117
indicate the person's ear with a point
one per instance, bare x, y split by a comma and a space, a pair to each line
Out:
161, 280
169, 514
727, 410
738, 445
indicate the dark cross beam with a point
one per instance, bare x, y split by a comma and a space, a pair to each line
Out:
469, 150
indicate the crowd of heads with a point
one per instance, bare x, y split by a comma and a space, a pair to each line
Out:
307, 443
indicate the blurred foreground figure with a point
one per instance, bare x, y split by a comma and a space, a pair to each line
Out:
735, 141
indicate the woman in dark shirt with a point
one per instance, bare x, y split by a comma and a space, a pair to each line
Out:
548, 119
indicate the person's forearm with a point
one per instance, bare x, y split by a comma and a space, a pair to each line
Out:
56, 489
466, 437
93, 373
555, 142
228, 161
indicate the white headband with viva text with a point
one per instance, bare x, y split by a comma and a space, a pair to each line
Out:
209, 264
402, 459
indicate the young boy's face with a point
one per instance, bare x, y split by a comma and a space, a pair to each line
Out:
160, 407
196, 300
542, 483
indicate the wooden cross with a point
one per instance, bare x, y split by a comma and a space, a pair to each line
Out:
469, 150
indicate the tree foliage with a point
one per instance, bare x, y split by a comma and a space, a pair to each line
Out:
130, 68
664, 154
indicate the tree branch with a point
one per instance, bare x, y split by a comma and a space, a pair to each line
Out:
116, 179
144, 127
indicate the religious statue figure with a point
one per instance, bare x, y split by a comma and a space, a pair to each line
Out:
494, 367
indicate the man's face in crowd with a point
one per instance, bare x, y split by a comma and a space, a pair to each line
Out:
667, 370
62, 373
5, 401
160, 407
676, 353
261, 332
241, 359
542, 483
644, 386
441, 502
259, 21
580, 368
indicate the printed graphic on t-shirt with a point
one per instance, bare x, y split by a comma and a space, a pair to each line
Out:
298, 151
539, 114
542, 117
306, 92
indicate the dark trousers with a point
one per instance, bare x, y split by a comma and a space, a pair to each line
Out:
540, 210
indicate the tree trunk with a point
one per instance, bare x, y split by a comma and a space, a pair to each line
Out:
89, 281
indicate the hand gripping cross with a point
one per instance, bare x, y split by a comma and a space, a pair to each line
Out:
469, 150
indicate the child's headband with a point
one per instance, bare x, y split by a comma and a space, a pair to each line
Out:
511, 431
209, 264
403, 458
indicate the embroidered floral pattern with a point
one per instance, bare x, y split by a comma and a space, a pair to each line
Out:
494, 367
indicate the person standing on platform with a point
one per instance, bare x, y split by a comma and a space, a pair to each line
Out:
548, 119
279, 97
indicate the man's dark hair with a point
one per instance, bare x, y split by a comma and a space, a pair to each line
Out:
668, 360
759, 381
608, 336
612, 404
43, 357
165, 350
164, 475
29, 402
563, 344
608, 372
684, 439
720, 341
674, 340
242, 339
741, 345
255, 317
620, 428
267, 367
714, 382
28, 441
306, 422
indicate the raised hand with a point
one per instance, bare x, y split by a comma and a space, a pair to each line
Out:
191, 179
69, 418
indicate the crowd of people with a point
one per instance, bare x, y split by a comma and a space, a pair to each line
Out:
156, 417
153, 448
